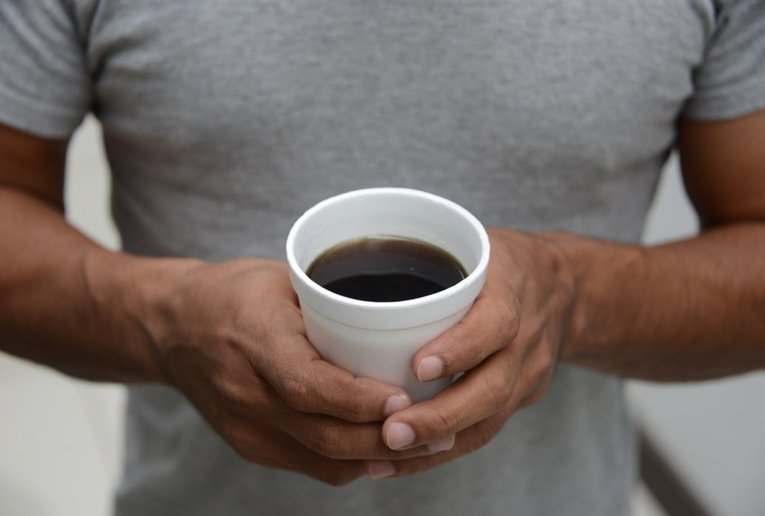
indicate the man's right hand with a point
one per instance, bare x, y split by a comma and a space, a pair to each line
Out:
231, 338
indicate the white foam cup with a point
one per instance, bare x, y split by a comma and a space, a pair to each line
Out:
379, 339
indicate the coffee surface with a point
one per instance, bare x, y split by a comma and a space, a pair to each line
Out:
385, 269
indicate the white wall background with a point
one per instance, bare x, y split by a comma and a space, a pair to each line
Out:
60, 438
713, 431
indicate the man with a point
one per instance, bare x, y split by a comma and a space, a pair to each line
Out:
224, 120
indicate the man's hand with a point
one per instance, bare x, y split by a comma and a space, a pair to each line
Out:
232, 340
506, 346
229, 336
685, 310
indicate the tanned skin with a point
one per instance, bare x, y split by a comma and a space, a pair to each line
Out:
230, 337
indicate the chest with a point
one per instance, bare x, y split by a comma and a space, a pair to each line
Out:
600, 82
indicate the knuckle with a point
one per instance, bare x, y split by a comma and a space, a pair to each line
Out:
240, 406
508, 314
443, 423
234, 397
353, 416
496, 393
535, 383
296, 393
544, 361
549, 356
325, 440
346, 401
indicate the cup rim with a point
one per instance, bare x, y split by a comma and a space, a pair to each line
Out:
474, 276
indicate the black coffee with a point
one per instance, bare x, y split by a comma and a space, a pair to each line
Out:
385, 269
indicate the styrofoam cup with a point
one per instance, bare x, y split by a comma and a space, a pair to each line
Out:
379, 339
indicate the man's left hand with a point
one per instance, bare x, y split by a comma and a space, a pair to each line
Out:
506, 349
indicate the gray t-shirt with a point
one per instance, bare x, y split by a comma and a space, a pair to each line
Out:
225, 120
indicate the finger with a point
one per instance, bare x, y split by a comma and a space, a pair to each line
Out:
326, 435
490, 325
478, 395
338, 439
509, 380
310, 384
283, 356
465, 442
318, 387
261, 443
272, 448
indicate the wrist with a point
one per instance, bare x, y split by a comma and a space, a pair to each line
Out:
131, 296
565, 251
595, 271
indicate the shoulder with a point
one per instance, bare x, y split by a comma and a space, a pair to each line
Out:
730, 81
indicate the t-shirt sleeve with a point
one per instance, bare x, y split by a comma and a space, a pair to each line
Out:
44, 82
731, 80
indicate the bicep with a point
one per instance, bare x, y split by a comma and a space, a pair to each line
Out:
33, 165
723, 165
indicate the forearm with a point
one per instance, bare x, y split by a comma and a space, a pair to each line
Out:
688, 310
70, 304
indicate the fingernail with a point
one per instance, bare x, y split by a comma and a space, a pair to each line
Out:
395, 403
381, 469
430, 368
400, 435
447, 443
